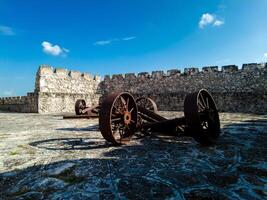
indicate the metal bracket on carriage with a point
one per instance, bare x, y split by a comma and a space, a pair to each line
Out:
121, 116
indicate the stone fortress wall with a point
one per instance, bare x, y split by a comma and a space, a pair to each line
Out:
56, 91
20, 103
234, 90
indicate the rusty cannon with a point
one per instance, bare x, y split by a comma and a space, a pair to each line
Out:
84, 111
120, 117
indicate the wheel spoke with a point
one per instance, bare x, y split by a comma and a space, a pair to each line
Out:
131, 110
117, 109
202, 100
201, 105
127, 104
207, 102
114, 128
113, 115
116, 134
123, 102
116, 119
146, 104
121, 132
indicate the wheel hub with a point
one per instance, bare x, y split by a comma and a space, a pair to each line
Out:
127, 117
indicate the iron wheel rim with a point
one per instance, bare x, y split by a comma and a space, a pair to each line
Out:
118, 118
202, 118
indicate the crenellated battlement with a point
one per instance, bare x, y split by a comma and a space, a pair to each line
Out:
60, 80
15, 100
46, 70
19, 103
235, 89
227, 69
59, 88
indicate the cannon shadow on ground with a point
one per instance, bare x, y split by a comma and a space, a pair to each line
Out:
69, 144
154, 167
89, 128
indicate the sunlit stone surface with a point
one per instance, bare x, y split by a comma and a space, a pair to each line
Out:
46, 157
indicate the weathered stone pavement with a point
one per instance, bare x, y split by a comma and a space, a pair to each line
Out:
46, 157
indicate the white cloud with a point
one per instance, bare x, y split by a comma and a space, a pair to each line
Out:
205, 20
265, 55
66, 50
54, 50
107, 42
209, 19
218, 23
5, 30
128, 38
103, 42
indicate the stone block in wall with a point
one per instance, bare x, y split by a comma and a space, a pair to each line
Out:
130, 76
210, 69
31, 94
191, 71
229, 68
107, 78
87, 76
117, 77
253, 66
61, 72
97, 78
45, 70
173, 72
143, 74
74, 74
157, 74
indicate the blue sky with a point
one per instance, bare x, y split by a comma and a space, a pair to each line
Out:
120, 36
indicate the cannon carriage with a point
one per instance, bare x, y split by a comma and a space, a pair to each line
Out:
120, 116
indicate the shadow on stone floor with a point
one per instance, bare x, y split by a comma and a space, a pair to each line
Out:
89, 128
69, 144
155, 168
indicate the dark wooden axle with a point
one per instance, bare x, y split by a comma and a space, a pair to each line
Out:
158, 123
149, 115
168, 125
79, 116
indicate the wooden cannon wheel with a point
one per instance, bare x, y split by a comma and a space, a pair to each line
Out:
147, 103
202, 118
118, 118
